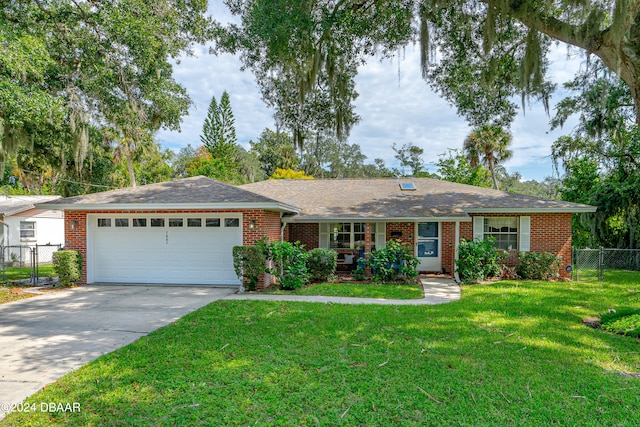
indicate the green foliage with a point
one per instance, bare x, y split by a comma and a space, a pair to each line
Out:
390, 264
623, 322
478, 260
289, 174
249, 263
321, 263
68, 267
538, 265
206, 165
325, 156
600, 158
488, 144
290, 263
409, 156
219, 132
455, 167
275, 150
69, 66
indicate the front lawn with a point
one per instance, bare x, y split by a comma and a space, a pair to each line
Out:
358, 290
509, 353
13, 274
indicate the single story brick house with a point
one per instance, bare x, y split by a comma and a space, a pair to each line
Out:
183, 231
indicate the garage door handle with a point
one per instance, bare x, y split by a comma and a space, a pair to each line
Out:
166, 237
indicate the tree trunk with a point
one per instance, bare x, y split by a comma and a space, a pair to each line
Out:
493, 175
132, 175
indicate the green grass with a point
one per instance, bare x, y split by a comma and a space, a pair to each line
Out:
359, 290
20, 273
612, 276
509, 353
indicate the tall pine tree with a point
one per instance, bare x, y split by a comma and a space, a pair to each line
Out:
219, 132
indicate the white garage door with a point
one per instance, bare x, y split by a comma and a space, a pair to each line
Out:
172, 249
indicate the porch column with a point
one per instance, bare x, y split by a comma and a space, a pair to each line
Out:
367, 244
367, 238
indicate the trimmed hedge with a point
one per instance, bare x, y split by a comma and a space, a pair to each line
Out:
478, 260
321, 263
249, 264
68, 267
392, 264
538, 265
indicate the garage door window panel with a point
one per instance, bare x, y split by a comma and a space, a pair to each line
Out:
232, 222
139, 222
122, 222
212, 222
104, 222
194, 222
176, 222
157, 222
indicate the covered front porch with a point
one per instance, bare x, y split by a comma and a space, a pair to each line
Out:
433, 240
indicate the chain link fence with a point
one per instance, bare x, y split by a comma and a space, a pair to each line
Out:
591, 264
27, 264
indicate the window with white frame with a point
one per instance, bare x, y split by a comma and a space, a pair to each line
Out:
504, 230
27, 230
350, 235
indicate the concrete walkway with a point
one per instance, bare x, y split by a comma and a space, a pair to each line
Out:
437, 290
47, 336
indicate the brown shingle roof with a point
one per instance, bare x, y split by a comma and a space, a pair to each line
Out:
193, 191
383, 198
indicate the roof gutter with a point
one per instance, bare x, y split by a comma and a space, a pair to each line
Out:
577, 209
463, 218
279, 207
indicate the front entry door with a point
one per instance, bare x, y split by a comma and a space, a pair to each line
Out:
428, 246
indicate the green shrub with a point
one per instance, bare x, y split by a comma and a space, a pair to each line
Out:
321, 263
538, 265
623, 322
391, 264
478, 260
68, 267
249, 263
290, 264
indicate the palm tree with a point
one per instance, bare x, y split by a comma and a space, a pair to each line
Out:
488, 144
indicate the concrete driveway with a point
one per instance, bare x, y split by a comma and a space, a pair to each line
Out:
45, 337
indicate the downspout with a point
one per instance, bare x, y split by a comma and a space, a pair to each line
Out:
455, 252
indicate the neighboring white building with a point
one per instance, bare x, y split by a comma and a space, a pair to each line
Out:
23, 225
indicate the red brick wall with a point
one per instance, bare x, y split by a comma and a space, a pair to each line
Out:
266, 224
406, 228
307, 234
550, 232
448, 237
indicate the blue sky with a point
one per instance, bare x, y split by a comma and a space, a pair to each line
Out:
395, 104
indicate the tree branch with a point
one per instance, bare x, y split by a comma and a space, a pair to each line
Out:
577, 35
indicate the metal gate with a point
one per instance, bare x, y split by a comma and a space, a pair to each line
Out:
27, 264
591, 264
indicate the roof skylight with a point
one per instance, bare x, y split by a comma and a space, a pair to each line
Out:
407, 186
